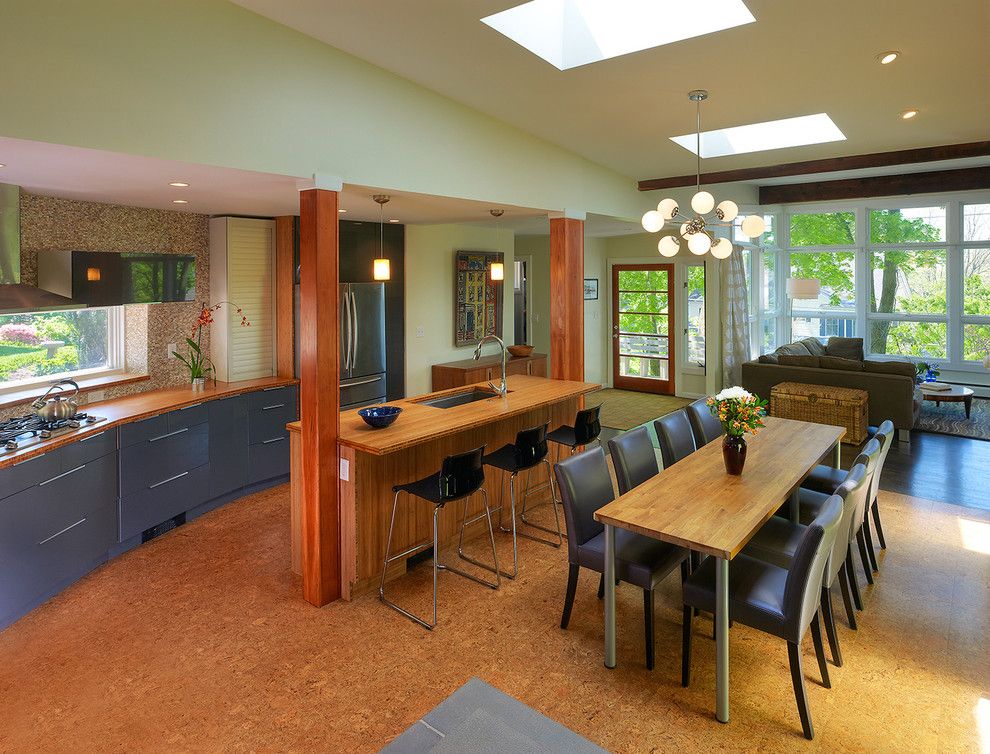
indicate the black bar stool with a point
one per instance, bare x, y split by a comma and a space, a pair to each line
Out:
460, 477
527, 452
587, 427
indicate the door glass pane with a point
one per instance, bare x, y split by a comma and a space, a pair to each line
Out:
636, 366
835, 270
768, 285
976, 222
908, 281
823, 229
769, 335
915, 339
696, 315
643, 345
976, 281
905, 225
643, 280
653, 324
652, 303
643, 342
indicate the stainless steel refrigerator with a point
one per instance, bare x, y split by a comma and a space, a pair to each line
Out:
362, 344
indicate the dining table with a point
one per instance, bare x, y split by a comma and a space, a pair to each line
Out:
696, 504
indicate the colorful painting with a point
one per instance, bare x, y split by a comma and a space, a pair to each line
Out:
477, 298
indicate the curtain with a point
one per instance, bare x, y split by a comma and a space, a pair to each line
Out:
734, 310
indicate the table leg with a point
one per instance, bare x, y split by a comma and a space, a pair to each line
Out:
722, 640
837, 457
795, 506
609, 596
968, 404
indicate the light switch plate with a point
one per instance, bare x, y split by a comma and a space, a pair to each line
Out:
345, 470
420, 332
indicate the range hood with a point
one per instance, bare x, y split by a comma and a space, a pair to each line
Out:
15, 296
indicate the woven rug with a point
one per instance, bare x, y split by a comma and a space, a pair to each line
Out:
625, 409
950, 419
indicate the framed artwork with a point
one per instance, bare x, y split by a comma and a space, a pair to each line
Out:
591, 289
477, 298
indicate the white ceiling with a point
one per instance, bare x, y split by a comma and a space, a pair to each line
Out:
798, 58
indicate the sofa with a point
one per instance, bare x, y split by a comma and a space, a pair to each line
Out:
891, 386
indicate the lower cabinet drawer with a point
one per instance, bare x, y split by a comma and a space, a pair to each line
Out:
166, 455
162, 500
267, 423
89, 448
269, 459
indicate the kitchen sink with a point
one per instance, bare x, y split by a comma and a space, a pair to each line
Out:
459, 399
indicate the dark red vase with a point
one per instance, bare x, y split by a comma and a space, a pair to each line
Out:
734, 454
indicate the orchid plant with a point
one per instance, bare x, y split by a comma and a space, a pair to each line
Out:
738, 410
196, 361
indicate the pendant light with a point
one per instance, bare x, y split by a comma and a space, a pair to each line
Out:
497, 268
382, 269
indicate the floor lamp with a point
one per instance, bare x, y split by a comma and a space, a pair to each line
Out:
803, 288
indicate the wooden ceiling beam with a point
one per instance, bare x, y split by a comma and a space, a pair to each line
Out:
828, 165
964, 179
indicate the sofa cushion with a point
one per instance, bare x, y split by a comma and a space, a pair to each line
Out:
845, 348
793, 349
837, 362
798, 361
768, 358
905, 368
815, 347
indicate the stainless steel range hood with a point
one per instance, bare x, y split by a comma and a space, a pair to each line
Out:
15, 296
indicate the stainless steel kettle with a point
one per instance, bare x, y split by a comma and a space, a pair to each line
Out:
58, 406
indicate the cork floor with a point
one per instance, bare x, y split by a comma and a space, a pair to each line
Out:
199, 641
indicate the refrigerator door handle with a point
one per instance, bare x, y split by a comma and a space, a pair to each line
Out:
354, 338
350, 330
362, 382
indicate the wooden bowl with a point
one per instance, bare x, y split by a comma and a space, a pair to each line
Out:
520, 350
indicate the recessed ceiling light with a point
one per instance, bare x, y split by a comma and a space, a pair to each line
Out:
393, 220
757, 137
908, 114
571, 33
179, 201
886, 58
342, 211
2, 165
179, 184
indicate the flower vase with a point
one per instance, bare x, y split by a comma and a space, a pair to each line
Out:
734, 454
198, 383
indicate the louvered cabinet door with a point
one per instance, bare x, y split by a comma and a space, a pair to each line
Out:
242, 271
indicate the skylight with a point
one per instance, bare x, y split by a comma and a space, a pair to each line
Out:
571, 33
757, 137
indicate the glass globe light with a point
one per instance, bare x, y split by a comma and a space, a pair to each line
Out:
667, 208
722, 248
729, 210
652, 221
699, 243
753, 226
702, 202
684, 230
668, 246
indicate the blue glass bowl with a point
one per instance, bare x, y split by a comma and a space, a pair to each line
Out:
379, 417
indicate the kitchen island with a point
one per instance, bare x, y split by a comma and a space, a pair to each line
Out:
373, 460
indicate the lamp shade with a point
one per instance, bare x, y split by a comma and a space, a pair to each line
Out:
382, 270
722, 249
652, 221
699, 243
668, 246
803, 288
667, 208
498, 271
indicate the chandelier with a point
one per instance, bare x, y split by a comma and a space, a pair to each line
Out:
697, 230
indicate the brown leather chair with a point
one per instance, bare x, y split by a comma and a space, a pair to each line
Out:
675, 437
780, 602
704, 426
633, 458
585, 486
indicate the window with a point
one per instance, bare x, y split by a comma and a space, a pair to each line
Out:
695, 304
907, 225
38, 347
908, 281
836, 271
823, 229
976, 222
922, 340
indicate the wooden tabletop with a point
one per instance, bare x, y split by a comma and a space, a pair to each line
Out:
419, 423
696, 504
140, 406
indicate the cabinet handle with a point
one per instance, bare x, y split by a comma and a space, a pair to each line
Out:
87, 439
170, 434
274, 439
166, 481
269, 389
186, 408
60, 533
274, 405
64, 473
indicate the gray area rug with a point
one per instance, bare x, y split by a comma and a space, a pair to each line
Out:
480, 719
950, 419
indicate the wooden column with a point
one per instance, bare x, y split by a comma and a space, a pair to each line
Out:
285, 359
566, 298
319, 394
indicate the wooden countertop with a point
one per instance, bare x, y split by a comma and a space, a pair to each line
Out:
140, 406
419, 423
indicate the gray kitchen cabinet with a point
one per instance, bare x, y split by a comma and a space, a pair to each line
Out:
268, 439
228, 446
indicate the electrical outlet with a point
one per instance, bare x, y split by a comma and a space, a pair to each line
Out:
345, 470
420, 332
172, 347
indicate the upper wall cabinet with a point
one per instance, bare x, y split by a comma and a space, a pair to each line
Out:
242, 271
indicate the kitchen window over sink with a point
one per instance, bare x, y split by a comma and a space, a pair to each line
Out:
36, 348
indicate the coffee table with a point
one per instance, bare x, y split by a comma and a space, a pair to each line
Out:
956, 394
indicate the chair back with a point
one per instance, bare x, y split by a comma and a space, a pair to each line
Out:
675, 436
886, 431
869, 457
855, 487
587, 425
633, 457
704, 426
585, 486
802, 591
531, 446
462, 474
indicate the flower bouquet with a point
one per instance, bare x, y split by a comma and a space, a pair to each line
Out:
196, 360
739, 412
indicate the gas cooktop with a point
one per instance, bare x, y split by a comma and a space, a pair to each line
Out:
22, 431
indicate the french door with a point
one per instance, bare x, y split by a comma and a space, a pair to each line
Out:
642, 327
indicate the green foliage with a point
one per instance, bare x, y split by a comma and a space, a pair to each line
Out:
10, 348
36, 363
58, 326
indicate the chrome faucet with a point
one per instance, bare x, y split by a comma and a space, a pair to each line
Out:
501, 389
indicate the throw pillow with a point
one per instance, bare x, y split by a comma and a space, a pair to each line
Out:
837, 362
798, 361
905, 368
815, 347
793, 349
768, 358
845, 348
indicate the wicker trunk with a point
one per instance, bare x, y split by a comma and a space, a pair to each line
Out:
839, 406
